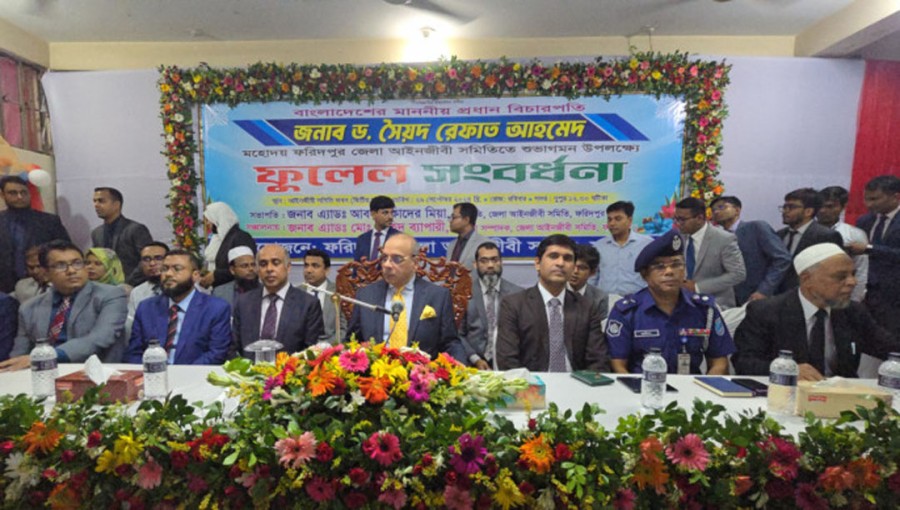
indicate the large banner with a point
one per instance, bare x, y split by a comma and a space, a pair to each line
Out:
303, 175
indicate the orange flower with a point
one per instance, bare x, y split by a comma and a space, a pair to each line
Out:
298, 76
554, 73
321, 381
531, 85
64, 497
490, 81
538, 453
476, 71
836, 479
351, 76
718, 190
39, 437
865, 473
439, 87
374, 388
285, 87
703, 105
742, 484
651, 447
411, 74
651, 473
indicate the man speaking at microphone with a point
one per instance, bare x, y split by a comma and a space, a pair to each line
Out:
423, 312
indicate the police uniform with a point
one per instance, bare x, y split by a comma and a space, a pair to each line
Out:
695, 328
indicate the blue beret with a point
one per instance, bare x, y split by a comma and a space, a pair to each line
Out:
666, 245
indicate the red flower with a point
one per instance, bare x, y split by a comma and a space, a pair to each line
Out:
6, 447
624, 500
865, 473
806, 498
742, 484
355, 500
320, 489
836, 479
358, 476
324, 452
526, 488
180, 460
67, 456
383, 447
94, 439
563, 452
893, 483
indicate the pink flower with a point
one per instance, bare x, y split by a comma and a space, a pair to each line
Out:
624, 500
383, 447
394, 498
296, 451
694, 70
703, 122
806, 498
468, 457
150, 475
356, 361
320, 489
689, 453
418, 390
716, 95
451, 73
456, 498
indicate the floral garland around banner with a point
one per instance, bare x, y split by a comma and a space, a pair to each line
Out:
701, 83
362, 426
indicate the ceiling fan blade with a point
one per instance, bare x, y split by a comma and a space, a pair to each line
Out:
429, 6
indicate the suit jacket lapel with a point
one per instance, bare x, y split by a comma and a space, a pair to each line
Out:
795, 333
255, 314
537, 309
81, 302
377, 317
189, 325
478, 296
570, 323
289, 306
420, 299
704, 247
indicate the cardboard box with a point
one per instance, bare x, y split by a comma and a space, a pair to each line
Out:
829, 401
125, 387
532, 397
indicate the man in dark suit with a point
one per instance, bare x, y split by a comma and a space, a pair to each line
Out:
193, 328
802, 231
21, 227
548, 327
119, 234
79, 317
798, 320
9, 317
279, 311
766, 259
368, 244
882, 197
427, 312
479, 331
713, 260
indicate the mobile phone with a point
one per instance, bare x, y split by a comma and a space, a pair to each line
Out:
591, 378
759, 389
634, 384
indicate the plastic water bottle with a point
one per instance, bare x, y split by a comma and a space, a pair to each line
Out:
783, 373
44, 369
156, 363
889, 377
653, 384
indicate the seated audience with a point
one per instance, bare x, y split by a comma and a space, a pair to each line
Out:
221, 221
193, 328
123, 236
427, 316
819, 323
685, 325
587, 259
278, 311
9, 309
36, 282
242, 265
798, 212
79, 318
766, 259
834, 200
104, 266
548, 328
315, 272
615, 274
479, 331
713, 260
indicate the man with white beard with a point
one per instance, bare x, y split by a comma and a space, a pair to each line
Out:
479, 332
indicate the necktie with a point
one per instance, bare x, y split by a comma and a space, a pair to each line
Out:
457, 249
790, 241
490, 308
375, 246
59, 320
878, 233
691, 259
400, 330
17, 232
268, 329
557, 337
817, 342
172, 330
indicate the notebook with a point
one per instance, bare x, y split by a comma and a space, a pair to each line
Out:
723, 387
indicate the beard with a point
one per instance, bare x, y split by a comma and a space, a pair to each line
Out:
247, 284
490, 280
180, 289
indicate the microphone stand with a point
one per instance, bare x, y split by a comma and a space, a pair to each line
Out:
336, 298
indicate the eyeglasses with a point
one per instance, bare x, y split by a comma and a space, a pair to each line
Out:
675, 265
489, 260
395, 259
156, 258
681, 219
62, 267
789, 207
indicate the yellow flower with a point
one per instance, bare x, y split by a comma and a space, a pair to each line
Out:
362, 84
168, 128
698, 175
106, 463
419, 86
164, 88
656, 74
173, 168
699, 157
393, 370
633, 64
507, 494
428, 313
695, 193
517, 66
197, 78
127, 449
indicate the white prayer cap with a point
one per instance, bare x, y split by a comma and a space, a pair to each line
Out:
238, 252
815, 254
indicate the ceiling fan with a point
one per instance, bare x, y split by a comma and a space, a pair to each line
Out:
434, 8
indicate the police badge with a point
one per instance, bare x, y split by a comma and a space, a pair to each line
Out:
614, 328
676, 243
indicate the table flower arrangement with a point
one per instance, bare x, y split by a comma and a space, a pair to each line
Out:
365, 426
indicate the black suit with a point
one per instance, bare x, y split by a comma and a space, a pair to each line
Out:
364, 243
39, 228
883, 286
777, 323
299, 325
523, 333
814, 234
128, 238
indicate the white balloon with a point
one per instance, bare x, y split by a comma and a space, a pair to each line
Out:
39, 178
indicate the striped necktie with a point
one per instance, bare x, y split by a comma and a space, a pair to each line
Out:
59, 320
173, 327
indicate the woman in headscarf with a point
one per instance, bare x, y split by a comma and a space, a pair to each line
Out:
104, 266
220, 220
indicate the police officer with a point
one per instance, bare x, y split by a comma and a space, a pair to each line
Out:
684, 325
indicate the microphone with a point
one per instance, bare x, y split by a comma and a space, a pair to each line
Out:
396, 309
374, 308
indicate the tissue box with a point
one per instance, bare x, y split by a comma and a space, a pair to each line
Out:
125, 387
532, 397
829, 401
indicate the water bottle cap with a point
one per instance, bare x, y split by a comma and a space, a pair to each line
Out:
154, 342
654, 350
786, 352
894, 355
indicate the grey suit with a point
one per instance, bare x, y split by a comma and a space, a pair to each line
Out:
96, 324
596, 296
719, 265
467, 257
328, 316
225, 291
474, 334
127, 241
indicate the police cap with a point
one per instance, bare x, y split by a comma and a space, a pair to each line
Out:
666, 245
